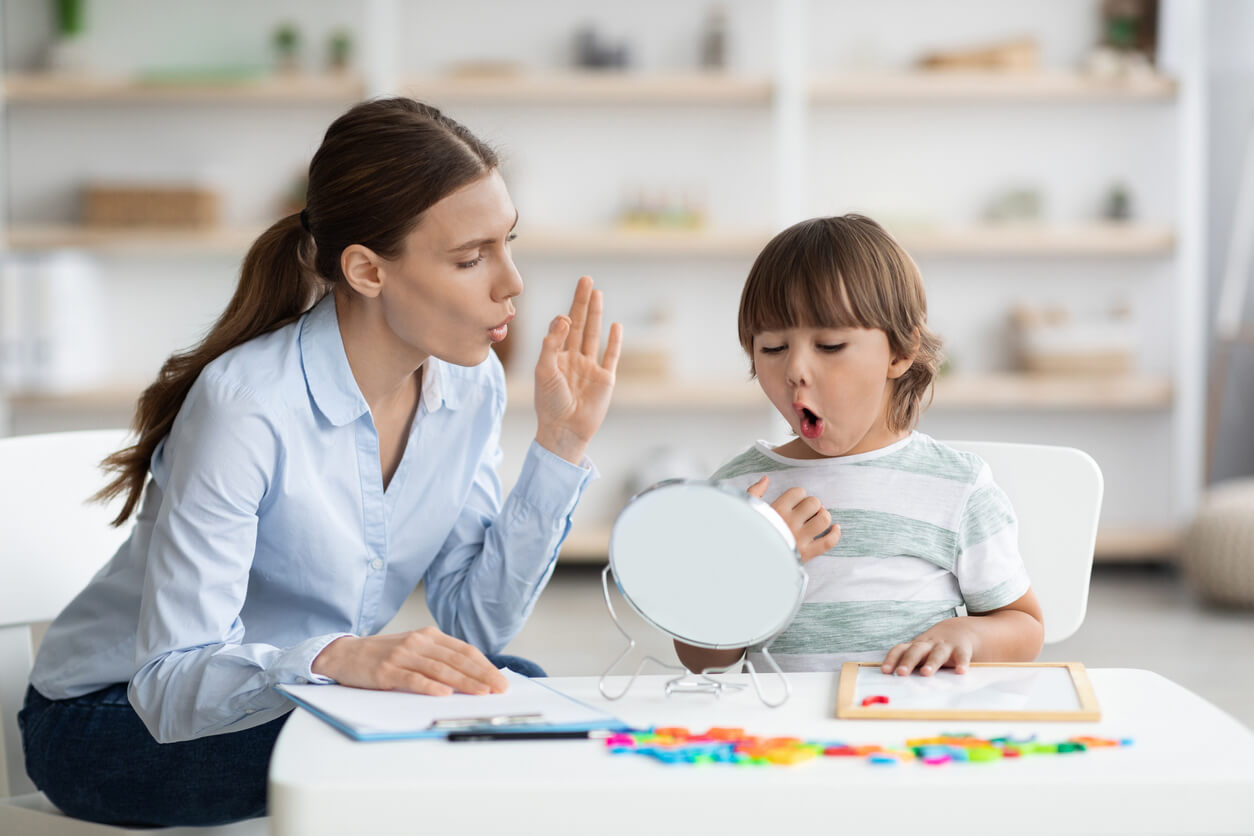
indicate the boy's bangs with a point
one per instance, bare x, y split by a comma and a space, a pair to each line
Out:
808, 299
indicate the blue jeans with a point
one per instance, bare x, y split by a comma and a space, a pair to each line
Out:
95, 760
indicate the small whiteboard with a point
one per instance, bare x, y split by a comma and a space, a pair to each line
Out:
987, 691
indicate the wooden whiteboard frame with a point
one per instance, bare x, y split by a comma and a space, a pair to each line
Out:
847, 709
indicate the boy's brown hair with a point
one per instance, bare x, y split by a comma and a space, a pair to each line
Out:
845, 272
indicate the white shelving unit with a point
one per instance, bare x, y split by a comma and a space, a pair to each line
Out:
767, 142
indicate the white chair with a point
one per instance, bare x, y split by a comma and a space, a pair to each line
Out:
51, 543
1057, 496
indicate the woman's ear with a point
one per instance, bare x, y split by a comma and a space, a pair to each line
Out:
362, 269
902, 362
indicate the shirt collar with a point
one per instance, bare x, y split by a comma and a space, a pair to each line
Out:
330, 379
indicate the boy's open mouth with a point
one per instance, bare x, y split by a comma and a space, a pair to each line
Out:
811, 423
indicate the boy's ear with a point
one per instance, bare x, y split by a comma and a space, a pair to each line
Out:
362, 269
902, 362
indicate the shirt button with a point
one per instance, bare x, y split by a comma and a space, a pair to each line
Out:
249, 710
376, 564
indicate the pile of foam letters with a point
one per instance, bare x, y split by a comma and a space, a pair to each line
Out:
676, 745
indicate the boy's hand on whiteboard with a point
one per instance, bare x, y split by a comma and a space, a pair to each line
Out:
949, 644
573, 389
424, 661
810, 523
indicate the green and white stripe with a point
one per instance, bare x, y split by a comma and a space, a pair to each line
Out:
924, 531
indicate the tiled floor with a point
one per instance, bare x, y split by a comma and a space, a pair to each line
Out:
1138, 617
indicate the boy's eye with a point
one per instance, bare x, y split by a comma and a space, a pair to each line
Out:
831, 348
771, 349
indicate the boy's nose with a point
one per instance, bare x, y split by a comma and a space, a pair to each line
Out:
797, 374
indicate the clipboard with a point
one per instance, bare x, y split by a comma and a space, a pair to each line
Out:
528, 705
1004, 691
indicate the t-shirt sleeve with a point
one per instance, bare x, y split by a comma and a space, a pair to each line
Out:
989, 567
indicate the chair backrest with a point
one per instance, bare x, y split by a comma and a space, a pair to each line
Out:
52, 540
1057, 496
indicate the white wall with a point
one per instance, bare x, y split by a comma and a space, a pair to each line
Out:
574, 164
1231, 59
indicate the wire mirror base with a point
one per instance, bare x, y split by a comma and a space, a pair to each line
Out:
688, 682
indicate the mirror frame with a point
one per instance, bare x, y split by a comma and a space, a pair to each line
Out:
763, 509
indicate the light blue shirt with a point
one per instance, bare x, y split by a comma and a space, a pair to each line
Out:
265, 533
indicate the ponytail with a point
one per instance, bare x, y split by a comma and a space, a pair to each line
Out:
277, 285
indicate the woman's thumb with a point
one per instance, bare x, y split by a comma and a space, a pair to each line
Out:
759, 487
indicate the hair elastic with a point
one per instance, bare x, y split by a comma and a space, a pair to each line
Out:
304, 221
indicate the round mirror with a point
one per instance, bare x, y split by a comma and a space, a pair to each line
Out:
708, 565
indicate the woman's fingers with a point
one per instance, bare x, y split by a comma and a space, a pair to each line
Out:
552, 343
592, 326
759, 487
467, 661
579, 313
613, 349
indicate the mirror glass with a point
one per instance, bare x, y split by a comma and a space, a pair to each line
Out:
708, 565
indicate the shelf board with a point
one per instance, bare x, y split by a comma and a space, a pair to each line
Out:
49, 88
1051, 392
1021, 240
229, 240
113, 398
606, 88
665, 394
643, 242
941, 87
992, 391
590, 544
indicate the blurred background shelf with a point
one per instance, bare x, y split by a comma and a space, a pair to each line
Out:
598, 88
976, 240
48, 88
942, 87
662, 173
589, 544
992, 391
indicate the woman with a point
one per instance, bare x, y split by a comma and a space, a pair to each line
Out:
330, 443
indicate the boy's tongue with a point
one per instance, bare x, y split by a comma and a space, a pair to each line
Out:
811, 424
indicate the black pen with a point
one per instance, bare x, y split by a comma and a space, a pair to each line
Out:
476, 736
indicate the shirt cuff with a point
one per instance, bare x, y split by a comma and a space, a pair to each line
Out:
295, 666
550, 484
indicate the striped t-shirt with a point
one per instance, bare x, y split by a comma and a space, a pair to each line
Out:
924, 531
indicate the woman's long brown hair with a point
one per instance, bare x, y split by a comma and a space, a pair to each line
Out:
380, 166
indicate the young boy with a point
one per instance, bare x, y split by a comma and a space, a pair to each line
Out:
896, 530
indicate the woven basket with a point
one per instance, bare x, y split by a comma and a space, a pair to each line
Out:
1218, 550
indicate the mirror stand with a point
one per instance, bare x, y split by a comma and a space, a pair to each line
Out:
687, 682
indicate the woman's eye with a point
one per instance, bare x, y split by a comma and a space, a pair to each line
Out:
510, 238
831, 348
466, 265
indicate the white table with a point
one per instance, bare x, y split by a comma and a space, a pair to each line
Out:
1190, 771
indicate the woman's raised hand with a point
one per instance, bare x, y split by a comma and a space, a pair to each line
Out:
572, 389
424, 661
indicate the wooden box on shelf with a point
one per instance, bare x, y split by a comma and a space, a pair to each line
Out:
141, 205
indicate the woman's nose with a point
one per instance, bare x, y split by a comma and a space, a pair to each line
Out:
509, 283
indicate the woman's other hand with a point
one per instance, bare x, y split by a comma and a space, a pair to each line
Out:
806, 517
424, 661
572, 389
